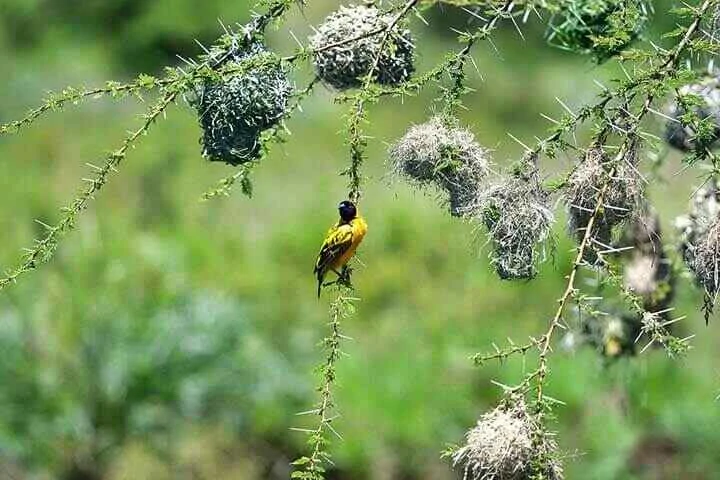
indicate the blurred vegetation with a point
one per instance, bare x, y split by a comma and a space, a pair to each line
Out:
173, 338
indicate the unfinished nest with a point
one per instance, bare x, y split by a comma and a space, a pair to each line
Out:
647, 271
345, 66
613, 335
623, 195
706, 264
601, 28
641, 274
693, 227
508, 444
644, 233
650, 277
712, 25
442, 154
235, 110
519, 221
695, 124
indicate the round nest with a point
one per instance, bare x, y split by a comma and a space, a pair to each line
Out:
519, 222
439, 152
234, 111
345, 66
623, 195
508, 444
601, 28
705, 111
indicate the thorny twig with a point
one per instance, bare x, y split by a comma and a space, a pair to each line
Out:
313, 466
570, 290
356, 138
44, 248
670, 61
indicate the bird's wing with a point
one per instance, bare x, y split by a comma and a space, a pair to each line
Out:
337, 241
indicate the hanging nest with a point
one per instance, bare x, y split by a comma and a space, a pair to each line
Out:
600, 28
647, 275
345, 66
706, 264
508, 443
693, 227
439, 153
695, 115
518, 219
623, 195
650, 277
647, 271
234, 111
613, 335
712, 25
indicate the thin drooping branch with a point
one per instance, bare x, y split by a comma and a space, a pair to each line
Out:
570, 289
56, 101
314, 466
45, 247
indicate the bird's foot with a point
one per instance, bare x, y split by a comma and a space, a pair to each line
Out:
344, 277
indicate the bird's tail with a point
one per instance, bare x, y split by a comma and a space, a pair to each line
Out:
320, 282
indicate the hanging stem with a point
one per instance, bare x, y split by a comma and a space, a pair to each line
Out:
314, 466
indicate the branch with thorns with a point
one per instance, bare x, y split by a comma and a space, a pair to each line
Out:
314, 466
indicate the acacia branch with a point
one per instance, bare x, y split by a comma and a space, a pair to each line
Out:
670, 62
175, 83
312, 467
56, 101
356, 139
45, 247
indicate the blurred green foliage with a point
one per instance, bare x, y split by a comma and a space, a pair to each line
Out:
173, 338
92, 372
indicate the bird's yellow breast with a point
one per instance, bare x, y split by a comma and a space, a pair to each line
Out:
359, 229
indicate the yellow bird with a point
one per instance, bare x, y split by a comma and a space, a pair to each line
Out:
340, 243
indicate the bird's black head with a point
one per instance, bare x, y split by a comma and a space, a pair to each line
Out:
347, 210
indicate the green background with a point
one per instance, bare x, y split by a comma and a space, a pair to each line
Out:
174, 338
